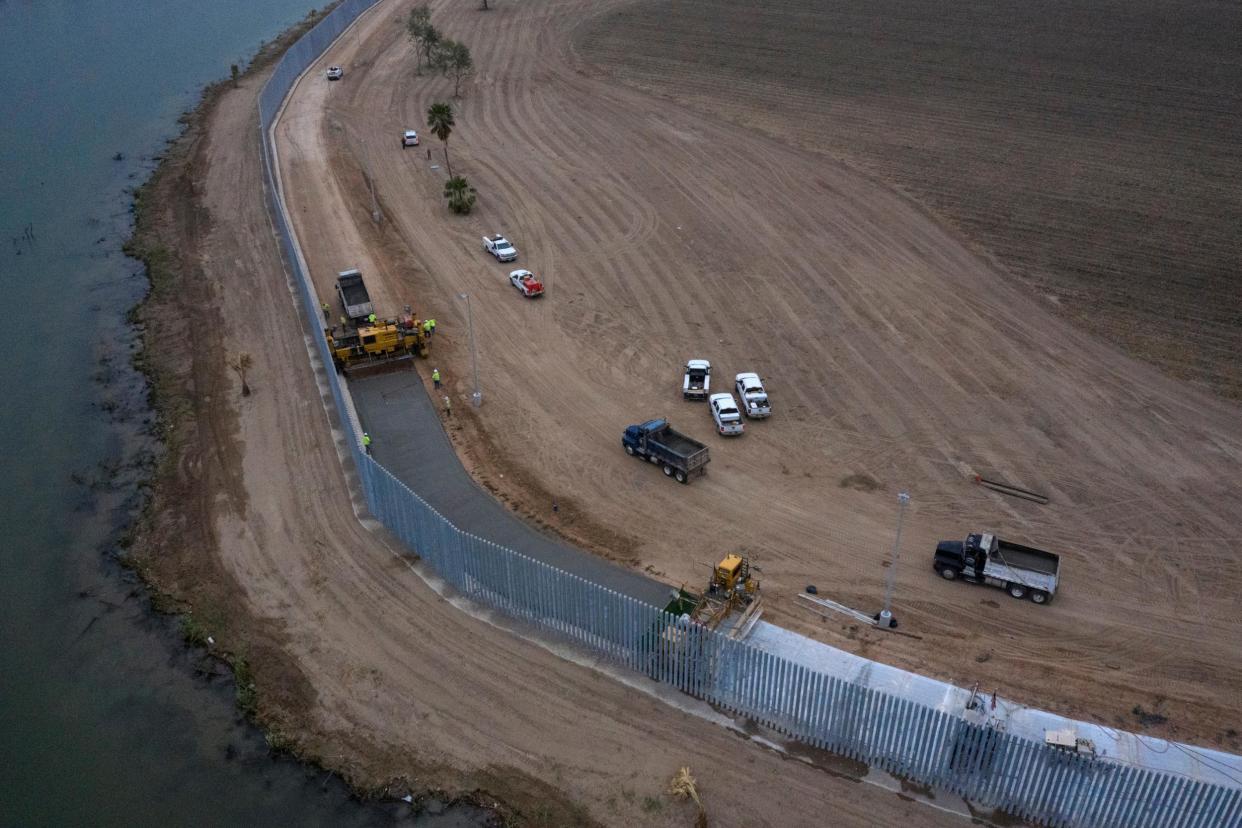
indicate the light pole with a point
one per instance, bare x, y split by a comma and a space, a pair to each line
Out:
366, 162
885, 618
476, 399
375, 211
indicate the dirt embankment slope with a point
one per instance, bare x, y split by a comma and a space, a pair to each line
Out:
1092, 147
355, 660
897, 357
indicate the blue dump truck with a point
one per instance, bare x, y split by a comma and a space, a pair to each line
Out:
680, 456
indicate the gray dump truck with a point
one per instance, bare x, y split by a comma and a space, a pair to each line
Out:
354, 296
1022, 571
680, 456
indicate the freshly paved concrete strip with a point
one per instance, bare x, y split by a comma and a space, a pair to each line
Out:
410, 441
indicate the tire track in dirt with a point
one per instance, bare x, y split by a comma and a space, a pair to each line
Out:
891, 349
404, 683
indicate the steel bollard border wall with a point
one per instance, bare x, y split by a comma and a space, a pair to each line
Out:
995, 769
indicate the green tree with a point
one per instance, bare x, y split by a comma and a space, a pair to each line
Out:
431, 45
423, 36
460, 195
453, 59
440, 122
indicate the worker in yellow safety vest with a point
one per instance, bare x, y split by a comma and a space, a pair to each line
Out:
435, 377
427, 327
371, 318
433, 326
366, 442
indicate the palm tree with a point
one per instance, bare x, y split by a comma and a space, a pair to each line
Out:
440, 122
460, 195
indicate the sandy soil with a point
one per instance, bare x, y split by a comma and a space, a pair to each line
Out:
356, 660
1090, 146
897, 358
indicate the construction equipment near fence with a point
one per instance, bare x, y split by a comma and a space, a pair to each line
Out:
732, 595
376, 347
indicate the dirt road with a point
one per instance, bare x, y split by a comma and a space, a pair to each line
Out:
357, 661
896, 359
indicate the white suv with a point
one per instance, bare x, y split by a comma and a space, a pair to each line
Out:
409, 138
335, 73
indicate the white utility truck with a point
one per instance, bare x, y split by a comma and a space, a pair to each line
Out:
754, 397
697, 380
500, 247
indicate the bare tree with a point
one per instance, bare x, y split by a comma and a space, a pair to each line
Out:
683, 786
423, 36
453, 59
241, 364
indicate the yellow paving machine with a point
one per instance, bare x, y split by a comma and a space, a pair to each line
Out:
374, 347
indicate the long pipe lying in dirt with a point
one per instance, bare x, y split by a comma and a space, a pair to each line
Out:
1012, 491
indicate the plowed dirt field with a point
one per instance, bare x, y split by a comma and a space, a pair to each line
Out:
1092, 147
897, 354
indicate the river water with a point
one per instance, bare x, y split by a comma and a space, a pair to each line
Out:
105, 719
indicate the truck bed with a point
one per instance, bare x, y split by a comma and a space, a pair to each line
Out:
1027, 558
355, 294
677, 443
1030, 578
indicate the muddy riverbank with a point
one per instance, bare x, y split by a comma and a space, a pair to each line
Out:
186, 358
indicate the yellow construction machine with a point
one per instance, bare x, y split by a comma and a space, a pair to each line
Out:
372, 347
731, 587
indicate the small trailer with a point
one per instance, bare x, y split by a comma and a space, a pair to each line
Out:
1022, 571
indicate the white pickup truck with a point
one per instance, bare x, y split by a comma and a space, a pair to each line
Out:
724, 412
697, 380
754, 398
500, 247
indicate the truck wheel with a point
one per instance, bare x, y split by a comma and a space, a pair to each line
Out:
1017, 591
629, 450
681, 476
653, 458
1039, 596
948, 573
668, 471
